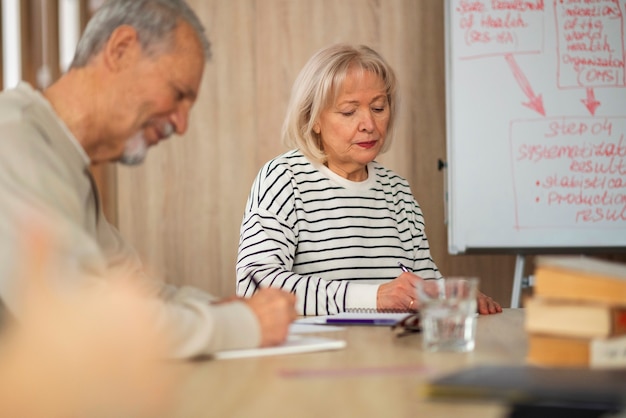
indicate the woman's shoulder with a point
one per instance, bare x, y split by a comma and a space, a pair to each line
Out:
287, 159
289, 168
292, 162
393, 184
387, 176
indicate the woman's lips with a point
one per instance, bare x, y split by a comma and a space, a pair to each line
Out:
367, 145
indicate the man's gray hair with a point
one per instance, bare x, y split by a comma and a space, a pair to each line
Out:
154, 21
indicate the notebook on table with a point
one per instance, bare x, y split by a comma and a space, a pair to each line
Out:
364, 317
296, 343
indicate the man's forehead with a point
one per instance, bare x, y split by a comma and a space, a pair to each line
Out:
186, 60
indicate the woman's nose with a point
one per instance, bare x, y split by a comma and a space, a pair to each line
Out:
366, 123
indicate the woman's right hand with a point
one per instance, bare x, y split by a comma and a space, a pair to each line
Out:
398, 294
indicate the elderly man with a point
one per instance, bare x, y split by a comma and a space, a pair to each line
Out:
133, 81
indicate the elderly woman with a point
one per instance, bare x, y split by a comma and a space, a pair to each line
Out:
325, 220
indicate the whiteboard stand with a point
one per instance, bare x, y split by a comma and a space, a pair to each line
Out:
518, 280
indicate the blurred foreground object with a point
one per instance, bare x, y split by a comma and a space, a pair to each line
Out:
88, 352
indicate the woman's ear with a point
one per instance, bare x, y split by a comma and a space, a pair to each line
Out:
316, 128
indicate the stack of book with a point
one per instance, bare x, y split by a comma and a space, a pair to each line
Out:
577, 315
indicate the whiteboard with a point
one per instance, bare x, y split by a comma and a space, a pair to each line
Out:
536, 124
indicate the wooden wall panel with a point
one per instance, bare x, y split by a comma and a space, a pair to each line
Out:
288, 33
35, 42
182, 209
1, 54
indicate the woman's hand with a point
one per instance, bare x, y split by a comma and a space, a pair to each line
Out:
398, 294
486, 305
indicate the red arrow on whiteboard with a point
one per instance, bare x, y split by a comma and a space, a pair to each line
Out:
590, 102
536, 102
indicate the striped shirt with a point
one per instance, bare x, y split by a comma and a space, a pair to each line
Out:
329, 240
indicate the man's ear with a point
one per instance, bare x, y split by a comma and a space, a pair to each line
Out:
122, 47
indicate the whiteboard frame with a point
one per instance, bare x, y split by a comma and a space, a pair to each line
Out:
450, 207
449, 178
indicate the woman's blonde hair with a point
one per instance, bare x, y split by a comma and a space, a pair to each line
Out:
317, 86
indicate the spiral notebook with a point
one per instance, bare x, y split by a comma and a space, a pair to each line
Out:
363, 317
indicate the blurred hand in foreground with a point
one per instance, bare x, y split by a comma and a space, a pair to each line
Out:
276, 310
88, 352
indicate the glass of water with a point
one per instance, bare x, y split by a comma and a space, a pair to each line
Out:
448, 313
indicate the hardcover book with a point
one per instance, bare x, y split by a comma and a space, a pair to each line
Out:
551, 350
581, 279
567, 318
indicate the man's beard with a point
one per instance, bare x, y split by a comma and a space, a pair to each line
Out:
137, 146
136, 150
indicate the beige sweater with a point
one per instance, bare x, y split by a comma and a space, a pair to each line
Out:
44, 171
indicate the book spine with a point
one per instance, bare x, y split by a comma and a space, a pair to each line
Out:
578, 286
565, 318
547, 350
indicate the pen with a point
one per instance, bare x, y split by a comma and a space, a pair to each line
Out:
361, 321
406, 270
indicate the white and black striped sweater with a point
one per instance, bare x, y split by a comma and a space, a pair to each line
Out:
330, 240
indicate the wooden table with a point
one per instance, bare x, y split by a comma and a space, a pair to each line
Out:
377, 375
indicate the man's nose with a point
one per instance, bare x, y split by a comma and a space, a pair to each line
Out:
180, 118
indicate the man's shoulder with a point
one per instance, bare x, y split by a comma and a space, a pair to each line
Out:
15, 102
19, 126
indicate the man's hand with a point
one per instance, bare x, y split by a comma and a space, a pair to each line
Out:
275, 309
